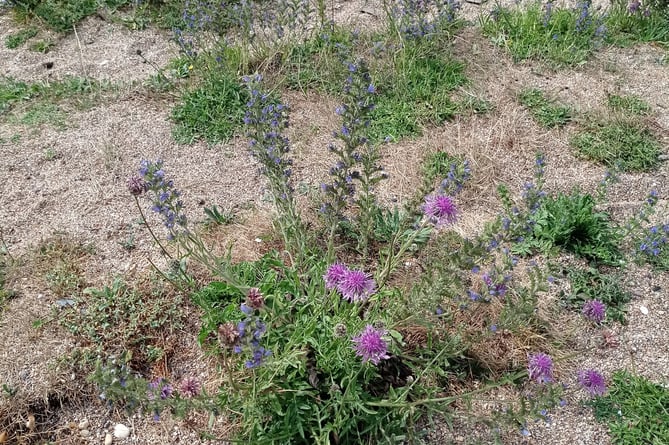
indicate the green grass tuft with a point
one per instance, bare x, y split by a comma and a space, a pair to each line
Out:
545, 111
212, 111
416, 94
628, 104
623, 144
635, 410
13, 41
530, 33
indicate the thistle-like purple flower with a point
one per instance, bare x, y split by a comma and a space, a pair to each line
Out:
136, 185
594, 310
334, 275
592, 381
370, 345
440, 209
254, 298
356, 286
540, 368
189, 387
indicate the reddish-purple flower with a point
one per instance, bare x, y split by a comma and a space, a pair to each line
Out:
540, 368
334, 275
189, 387
592, 381
356, 286
594, 310
370, 345
440, 210
254, 298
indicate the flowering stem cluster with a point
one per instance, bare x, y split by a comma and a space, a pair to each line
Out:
357, 159
166, 202
265, 121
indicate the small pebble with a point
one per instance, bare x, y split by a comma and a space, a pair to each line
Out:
644, 310
121, 431
84, 433
108, 439
258, 240
83, 424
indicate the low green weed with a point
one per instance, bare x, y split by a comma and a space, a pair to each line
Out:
628, 104
634, 22
634, 409
622, 143
545, 111
212, 111
416, 92
117, 318
560, 35
42, 46
13, 41
590, 284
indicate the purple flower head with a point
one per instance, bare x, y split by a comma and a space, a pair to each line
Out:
594, 310
166, 391
440, 209
189, 387
540, 368
136, 185
592, 381
370, 345
356, 286
254, 298
334, 275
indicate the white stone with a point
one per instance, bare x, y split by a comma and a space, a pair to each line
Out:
85, 433
121, 431
644, 310
83, 424
108, 439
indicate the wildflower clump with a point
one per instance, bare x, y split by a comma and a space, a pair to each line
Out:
165, 198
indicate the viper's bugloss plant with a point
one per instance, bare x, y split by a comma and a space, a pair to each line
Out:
357, 171
266, 120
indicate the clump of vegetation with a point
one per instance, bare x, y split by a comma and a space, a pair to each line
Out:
545, 111
628, 104
624, 144
590, 284
634, 409
212, 111
13, 41
563, 36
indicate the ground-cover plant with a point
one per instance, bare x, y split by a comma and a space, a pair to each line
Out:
622, 143
416, 91
635, 410
212, 111
628, 104
117, 319
588, 284
545, 31
61, 15
545, 111
634, 21
545, 223
14, 94
13, 41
